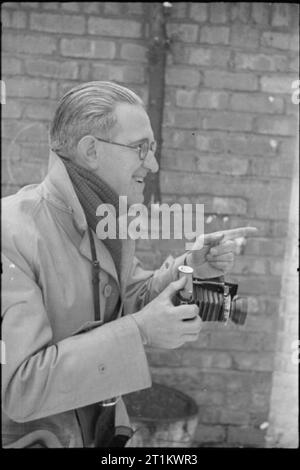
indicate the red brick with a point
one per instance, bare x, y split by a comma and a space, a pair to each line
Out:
57, 23
37, 152
260, 285
23, 87
201, 99
206, 360
278, 167
88, 48
225, 205
214, 35
51, 5
261, 361
240, 11
228, 121
277, 84
137, 8
234, 417
28, 43
119, 73
11, 65
91, 7
209, 414
265, 247
256, 103
182, 118
276, 266
218, 12
277, 125
264, 62
70, 6
278, 229
242, 144
113, 8
10, 5
208, 434
294, 42
27, 173
231, 81
205, 396
231, 165
239, 436
280, 15
182, 77
5, 18
134, 52
239, 341
179, 10
40, 110
205, 56
198, 12
182, 32
29, 4
52, 69
275, 40
242, 265
12, 109
244, 36
115, 27
26, 131
260, 13
18, 20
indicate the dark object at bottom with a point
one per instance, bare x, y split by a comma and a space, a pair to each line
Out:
161, 417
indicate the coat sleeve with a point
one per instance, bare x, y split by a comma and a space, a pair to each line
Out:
143, 285
42, 378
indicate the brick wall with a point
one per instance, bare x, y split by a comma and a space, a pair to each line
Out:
229, 142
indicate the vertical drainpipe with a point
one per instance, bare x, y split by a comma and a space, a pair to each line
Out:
157, 14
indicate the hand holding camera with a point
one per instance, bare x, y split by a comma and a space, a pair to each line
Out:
161, 322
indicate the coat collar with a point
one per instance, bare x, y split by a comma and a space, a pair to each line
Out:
58, 189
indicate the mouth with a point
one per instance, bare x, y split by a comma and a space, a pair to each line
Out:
139, 179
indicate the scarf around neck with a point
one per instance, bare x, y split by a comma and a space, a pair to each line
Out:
91, 192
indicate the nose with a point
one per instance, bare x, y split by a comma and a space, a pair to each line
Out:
150, 162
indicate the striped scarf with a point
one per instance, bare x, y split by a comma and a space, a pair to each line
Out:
91, 192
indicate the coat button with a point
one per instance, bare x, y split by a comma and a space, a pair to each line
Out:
107, 290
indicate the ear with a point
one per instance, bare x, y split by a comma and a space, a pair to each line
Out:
87, 152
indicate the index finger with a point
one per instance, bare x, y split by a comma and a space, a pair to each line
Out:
238, 233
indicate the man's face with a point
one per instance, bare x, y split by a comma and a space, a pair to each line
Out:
121, 167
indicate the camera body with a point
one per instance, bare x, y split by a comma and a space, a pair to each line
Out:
217, 299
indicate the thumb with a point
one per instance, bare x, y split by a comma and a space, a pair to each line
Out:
175, 286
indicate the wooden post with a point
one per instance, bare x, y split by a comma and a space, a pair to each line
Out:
158, 46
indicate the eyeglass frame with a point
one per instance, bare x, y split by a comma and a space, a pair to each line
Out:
133, 147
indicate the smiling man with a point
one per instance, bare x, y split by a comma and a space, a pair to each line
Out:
77, 311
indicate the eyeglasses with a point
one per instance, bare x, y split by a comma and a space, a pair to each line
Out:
143, 148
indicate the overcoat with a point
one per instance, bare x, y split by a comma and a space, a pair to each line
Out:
59, 362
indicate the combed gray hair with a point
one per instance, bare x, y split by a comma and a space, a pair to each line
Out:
87, 109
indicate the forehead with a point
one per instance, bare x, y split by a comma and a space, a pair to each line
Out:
133, 123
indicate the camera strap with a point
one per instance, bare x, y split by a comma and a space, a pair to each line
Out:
95, 276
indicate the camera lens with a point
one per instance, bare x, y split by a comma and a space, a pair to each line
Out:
239, 310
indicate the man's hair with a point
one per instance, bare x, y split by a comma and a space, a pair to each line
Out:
87, 109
